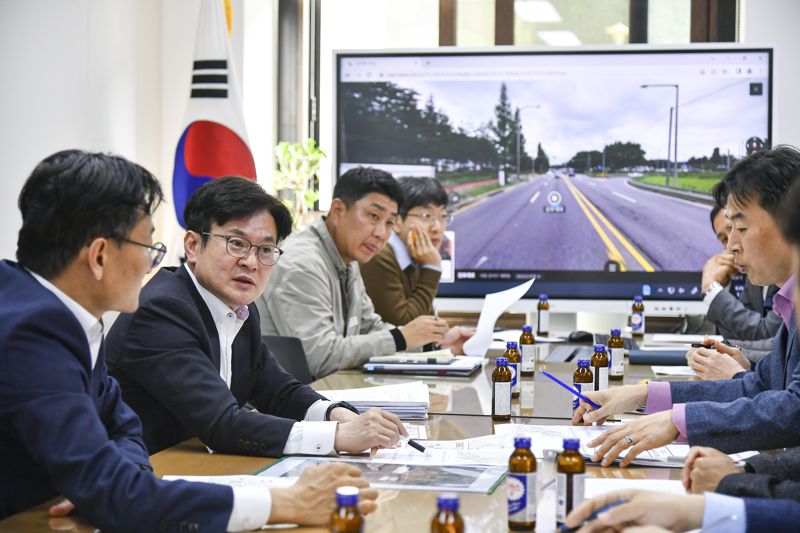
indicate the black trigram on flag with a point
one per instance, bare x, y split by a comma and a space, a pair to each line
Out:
210, 78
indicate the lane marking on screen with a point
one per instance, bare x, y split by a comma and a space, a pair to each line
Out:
628, 246
613, 252
534, 197
628, 198
481, 261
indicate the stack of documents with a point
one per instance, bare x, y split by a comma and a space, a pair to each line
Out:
408, 401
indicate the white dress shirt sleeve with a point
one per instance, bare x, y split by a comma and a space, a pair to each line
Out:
316, 413
251, 509
724, 513
712, 293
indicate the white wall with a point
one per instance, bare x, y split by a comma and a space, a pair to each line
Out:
774, 22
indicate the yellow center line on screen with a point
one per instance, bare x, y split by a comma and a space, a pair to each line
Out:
613, 252
628, 246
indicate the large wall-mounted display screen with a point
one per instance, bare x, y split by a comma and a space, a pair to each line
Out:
561, 165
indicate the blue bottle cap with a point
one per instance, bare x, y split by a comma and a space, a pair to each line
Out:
583, 362
522, 442
447, 501
615, 331
501, 361
543, 297
572, 444
511, 345
347, 496
637, 298
527, 329
599, 347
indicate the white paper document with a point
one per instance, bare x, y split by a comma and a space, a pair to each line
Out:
258, 482
673, 338
406, 400
493, 306
491, 450
595, 486
685, 371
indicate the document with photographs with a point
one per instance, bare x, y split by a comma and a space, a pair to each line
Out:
398, 476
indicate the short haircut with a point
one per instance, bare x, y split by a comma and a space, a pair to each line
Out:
791, 216
765, 177
229, 198
73, 197
358, 182
419, 192
714, 212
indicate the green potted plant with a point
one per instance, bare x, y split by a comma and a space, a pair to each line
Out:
294, 178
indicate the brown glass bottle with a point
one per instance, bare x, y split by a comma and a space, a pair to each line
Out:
616, 353
514, 360
501, 391
527, 348
347, 518
599, 364
543, 316
582, 380
637, 319
521, 485
447, 518
570, 477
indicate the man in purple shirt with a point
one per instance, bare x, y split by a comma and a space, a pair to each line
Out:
755, 410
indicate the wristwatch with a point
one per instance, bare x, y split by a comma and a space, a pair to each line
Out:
333, 406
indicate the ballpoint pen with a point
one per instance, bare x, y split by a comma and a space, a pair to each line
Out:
570, 389
566, 529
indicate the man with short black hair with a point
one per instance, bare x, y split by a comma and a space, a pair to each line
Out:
318, 295
84, 248
756, 410
191, 358
401, 280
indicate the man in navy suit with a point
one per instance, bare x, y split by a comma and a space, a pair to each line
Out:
191, 358
83, 249
756, 410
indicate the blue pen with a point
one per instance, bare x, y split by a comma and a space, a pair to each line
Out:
573, 391
565, 529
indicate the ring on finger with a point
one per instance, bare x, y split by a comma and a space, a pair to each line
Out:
629, 440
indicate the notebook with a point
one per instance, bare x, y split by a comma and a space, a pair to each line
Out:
458, 366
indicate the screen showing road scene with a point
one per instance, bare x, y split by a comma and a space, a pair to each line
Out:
575, 168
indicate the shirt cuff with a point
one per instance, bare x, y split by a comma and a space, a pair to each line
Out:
311, 438
679, 421
251, 509
712, 293
316, 413
724, 513
659, 397
437, 268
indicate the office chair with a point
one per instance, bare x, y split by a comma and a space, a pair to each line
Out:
290, 354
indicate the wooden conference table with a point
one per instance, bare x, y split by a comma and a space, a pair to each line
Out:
458, 412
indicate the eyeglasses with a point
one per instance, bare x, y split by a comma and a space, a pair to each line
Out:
156, 252
240, 247
429, 218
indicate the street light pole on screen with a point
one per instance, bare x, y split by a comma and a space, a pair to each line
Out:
677, 90
536, 106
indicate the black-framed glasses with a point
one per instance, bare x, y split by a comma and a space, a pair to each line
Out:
156, 251
239, 247
429, 218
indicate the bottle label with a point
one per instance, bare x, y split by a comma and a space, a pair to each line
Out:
617, 361
502, 398
514, 368
637, 322
521, 497
575, 400
544, 321
569, 494
601, 378
528, 357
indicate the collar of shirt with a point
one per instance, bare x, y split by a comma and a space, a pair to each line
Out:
319, 227
400, 251
782, 301
91, 326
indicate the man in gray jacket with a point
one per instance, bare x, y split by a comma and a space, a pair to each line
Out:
317, 295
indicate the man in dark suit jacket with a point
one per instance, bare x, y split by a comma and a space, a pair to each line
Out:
755, 410
191, 358
83, 249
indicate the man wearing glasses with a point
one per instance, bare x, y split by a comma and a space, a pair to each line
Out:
318, 294
402, 279
191, 358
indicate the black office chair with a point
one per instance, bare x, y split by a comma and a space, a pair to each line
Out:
290, 354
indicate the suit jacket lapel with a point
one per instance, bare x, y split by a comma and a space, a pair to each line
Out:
205, 314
